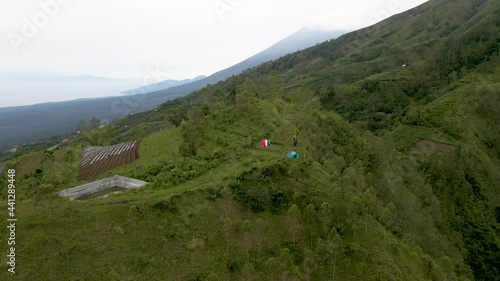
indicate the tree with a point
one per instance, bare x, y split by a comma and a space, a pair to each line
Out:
293, 221
49, 155
192, 133
218, 94
325, 217
310, 220
285, 264
246, 108
69, 157
48, 162
94, 124
304, 109
276, 86
105, 136
81, 126
272, 267
331, 249
368, 205
309, 264
176, 115
235, 90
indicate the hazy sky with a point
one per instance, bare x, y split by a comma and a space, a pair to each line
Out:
181, 39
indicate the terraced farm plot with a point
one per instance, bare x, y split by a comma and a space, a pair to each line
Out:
98, 160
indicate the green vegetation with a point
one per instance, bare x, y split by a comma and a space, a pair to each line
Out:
361, 204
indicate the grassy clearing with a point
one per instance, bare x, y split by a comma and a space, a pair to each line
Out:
29, 163
155, 148
406, 137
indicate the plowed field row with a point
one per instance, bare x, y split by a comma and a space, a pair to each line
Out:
98, 160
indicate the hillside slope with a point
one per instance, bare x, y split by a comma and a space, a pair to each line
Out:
364, 202
30, 123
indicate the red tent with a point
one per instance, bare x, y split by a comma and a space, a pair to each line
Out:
265, 143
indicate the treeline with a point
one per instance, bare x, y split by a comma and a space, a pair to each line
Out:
364, 184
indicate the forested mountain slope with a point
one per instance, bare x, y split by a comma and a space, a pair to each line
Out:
364, 202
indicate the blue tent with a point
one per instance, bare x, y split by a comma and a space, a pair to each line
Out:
293, 155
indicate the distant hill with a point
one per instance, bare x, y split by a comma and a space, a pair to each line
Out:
300, 40
162, 85
30, 123
32, 88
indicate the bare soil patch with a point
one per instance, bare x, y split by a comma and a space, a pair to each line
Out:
437, 146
